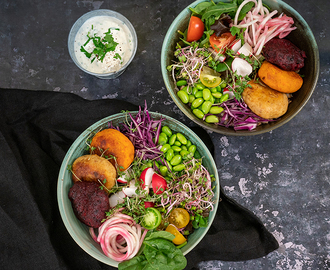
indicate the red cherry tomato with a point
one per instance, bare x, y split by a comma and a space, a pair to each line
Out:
195, 29
220, 43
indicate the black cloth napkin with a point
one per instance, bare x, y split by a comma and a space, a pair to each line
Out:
37, 128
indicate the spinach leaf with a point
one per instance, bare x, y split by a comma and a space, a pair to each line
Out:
160, 234
201, 7
136, 263
218, 9
162, 254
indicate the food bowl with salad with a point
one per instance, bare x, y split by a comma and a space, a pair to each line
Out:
135, 185
102, 43
240, 67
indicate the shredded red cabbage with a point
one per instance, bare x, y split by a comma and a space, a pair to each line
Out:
236, 114
141, 130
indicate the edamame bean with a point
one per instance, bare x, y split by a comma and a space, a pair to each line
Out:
188, 143
195, 90
183, 96
172, 139
184, 89
214, 90
198, 113
197, 102
206, 94
212, 99
211, 119
164, 135
178, 168
176, 148
217, 95
223, 84
224, 98
177, 143
184, 153
199, 94
162, 140
176, 160
169, 154
181, 83
169, 166
165, 148
216, 110
192, 148
163, 170
156, 164
181, 138
197, 155
167, 131
184, 147
199, 86
206, 106
191, 98
219, 88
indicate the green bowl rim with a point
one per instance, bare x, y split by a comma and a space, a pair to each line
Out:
60, 195
232, 132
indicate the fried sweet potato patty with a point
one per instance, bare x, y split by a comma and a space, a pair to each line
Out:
112, 143
265, 101
93, 168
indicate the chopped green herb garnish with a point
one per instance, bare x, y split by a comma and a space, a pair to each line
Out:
102, 46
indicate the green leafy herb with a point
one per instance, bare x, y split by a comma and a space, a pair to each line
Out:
102, 46
158, 252
117, 56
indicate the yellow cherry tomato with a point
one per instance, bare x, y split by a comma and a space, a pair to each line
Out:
209, 77
179, 217
179, 238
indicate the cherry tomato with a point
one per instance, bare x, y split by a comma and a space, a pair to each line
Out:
179, 238
179, 217
151, 219
220, 43
195, 29
209, 77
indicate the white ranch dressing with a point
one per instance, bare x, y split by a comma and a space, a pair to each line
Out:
98, 26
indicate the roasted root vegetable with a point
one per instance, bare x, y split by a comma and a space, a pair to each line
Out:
264, 101
278, 79
115, 145
93, 168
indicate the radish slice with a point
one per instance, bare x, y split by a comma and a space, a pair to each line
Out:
130, 191
222, 58
230, 93
148, 204
159, 183
116, 198
122, 180
145, 178
236, 45
242, 67
246, 49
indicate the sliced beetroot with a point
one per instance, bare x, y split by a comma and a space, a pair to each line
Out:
89, 203
284, 54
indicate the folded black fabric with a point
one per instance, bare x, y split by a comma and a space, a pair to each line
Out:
37, 128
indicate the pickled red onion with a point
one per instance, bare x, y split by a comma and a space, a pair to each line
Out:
261, 27
120, 237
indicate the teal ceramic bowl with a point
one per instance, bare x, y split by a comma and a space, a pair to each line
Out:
302, 37
78, 231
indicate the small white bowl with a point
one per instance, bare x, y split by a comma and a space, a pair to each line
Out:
97, 13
